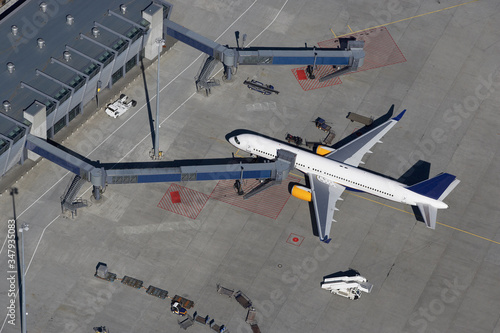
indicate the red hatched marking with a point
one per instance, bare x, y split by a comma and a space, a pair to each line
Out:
190, 202
269, 202
295, 239
319, 72
380, 50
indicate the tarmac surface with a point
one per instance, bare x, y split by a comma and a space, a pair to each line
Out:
442, 280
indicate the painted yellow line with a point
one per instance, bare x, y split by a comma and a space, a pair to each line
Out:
349, 27
294, 174
333, 33
377, 202
445, 225
470, 233
408, 18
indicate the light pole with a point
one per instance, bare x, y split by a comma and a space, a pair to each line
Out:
24, 227
160, 43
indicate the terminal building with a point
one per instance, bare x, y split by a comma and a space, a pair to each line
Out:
56, 57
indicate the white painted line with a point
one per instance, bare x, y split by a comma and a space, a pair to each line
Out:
36, 247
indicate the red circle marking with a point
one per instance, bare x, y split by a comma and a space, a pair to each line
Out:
295, 239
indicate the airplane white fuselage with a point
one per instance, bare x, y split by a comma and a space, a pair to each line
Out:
333, 172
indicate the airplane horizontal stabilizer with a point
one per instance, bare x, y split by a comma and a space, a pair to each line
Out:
436, 188
429, 213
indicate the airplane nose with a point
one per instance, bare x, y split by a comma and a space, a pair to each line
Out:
234, 141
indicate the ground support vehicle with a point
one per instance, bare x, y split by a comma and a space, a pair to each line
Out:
347, 286
120, 106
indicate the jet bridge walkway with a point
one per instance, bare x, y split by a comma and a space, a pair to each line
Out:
102, 174
350, 55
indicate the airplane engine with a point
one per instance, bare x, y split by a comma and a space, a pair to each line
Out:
302, 192
323, 150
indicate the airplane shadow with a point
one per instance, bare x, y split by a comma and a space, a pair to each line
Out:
365, 129
417, 173
312, 216
349, 272
179, 163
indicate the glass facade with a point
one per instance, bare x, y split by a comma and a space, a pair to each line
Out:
77, 82
63, 95
16, 134
120, 46
4, 145
145, 24
117, 75
74, 112
106, 58
130, 64
92, 70
50, 107
134, 34
59, 125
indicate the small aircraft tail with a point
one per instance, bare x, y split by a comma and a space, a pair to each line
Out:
436, 188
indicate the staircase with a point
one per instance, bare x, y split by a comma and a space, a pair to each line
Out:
68, 201
203, 80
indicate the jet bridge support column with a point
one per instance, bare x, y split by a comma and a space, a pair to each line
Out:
98, 180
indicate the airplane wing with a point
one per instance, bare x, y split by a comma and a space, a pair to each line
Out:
324, 197
353, 152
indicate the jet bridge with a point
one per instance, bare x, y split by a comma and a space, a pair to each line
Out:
220, 169
102, 174
350, 55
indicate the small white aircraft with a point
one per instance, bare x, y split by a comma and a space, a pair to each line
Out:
331, 171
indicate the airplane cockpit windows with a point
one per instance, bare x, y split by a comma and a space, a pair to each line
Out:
236, 140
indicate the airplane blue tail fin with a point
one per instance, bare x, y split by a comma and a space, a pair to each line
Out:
436, 188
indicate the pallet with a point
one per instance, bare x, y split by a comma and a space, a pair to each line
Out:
184, 302
225, 291
202, 320
243, 300
251, 314
160, 293
109, 277
255, 328
131, 282
185, 323
329, 138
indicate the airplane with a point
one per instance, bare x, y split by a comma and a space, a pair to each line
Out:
330, 171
